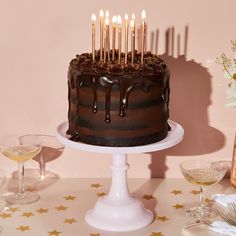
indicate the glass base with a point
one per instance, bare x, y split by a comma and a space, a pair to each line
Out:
21, 199
202, 213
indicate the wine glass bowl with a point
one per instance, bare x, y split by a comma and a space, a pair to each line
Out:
21, 152
203, 174
51, 150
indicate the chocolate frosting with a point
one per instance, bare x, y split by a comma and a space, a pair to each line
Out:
106, 88
106, 75
152, 65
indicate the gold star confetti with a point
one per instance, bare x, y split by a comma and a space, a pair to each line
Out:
162, 218
178, 206
175, 192
97, 185
97, 234
70, 221
148, 197
209, 201
27, 214
70, 197
30, 188
42, 210
13, 209
5, 215
195, 192
61, 208
54, 233
156, 234
23, 228
101, 194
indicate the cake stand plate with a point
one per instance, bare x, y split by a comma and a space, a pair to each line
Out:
119, 210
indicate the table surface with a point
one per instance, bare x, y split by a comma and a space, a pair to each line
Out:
64, 202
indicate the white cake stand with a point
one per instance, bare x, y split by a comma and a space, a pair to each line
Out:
119, 211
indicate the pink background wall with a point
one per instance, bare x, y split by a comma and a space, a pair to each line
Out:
39, 38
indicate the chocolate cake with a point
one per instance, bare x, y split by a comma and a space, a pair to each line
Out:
117, 104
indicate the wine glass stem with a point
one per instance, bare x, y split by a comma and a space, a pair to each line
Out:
42, 166
202, 197
21, 174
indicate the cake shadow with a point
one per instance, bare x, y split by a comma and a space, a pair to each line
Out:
190, 85
145, 194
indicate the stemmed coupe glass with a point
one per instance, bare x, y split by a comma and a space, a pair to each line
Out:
13, 149
203, 174
2, 181
51, 150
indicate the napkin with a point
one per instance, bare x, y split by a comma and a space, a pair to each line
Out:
223, 199
221, 226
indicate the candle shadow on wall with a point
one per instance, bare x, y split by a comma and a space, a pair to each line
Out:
190, 85
190, 98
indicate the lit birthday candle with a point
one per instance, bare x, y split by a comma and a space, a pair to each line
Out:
126, 37
133, 18
132, 26
143, 36
101, 32
119, 37
106, 39
113, 37
107, 28
93, 17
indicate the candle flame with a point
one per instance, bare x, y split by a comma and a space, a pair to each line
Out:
126, 17
101, 13
107, 22
93, 17
107, 14
143, 14
114, 20
133, 16
119, 20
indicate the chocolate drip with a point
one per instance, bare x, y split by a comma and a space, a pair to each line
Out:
81, 83
107, 84
126, 86
75, 138
95, 84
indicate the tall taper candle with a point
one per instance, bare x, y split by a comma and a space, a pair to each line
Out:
107, 27
93, 17
132, 40
126, 37
113, 37
119, 37
101, 32
143, 34
133, 18
106, 36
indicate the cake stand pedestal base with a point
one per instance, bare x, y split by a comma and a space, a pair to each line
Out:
119, 211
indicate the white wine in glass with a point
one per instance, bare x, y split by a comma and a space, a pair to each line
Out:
203, 174
14, 150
